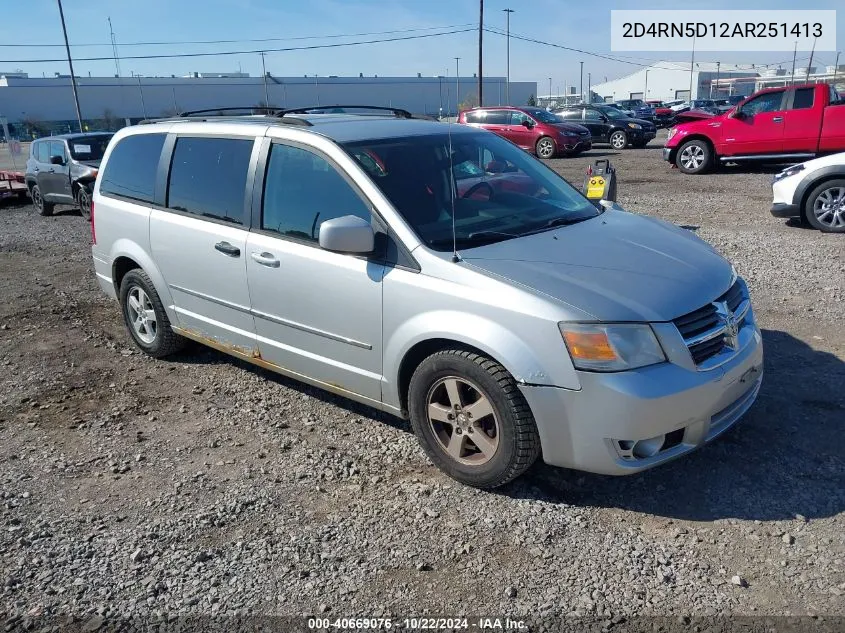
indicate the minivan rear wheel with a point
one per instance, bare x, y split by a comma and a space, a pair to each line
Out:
471, 419
145, 316
42, 206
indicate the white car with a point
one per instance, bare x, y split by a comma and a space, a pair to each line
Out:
814, 192
676, 105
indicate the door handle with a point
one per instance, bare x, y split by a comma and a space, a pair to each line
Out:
228, 249
52, 171
35, 169
266, 259
777, 119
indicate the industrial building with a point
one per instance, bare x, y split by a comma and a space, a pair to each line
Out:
42, 105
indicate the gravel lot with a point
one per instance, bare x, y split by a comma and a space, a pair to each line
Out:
202, 485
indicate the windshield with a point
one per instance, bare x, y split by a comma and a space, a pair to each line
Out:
544, 117
612, 113
499, 191
89, 147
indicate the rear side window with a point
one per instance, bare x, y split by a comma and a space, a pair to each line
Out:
489, 117
570, 114
131, 169
208, 177
803, 98
592, 115
57, 148
42, 152
302, 190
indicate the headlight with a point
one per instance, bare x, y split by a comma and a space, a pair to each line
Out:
611, 346
672, 132
569, 133
635, 126
789, 171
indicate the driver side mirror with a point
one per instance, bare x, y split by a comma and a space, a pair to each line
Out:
739, 114
528, 123
57, 160
347, 234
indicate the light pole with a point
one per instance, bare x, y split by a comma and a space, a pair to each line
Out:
141, 92
581, 87
645, 90
589, 87
70, 63
317, 88
457, 85
480, 53
835, 68
691, 66
550, 92
718, 64
508, 39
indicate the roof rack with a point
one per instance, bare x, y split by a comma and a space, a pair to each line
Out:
397, 112
267, 110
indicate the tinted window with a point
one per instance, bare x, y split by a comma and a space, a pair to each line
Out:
497, 117
518, 118
131, 169
768, 102
474, 117
506, 193
592, 115
208, 177
303, 190
57, 148
42, 152
803, 98
570, 114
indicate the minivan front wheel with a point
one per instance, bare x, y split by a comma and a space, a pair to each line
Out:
471, 419
545, 147
145, 316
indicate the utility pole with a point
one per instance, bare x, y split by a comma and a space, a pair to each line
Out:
508, 39
480, 52
835, 68
794, 53
141, 92
645, 90
457, 85
264, 74
114, 49
317, 88
691, 66
589, 87
70, 63
581, 87
810, 65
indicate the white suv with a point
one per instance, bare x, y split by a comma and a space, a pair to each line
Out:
814, 192
434, 271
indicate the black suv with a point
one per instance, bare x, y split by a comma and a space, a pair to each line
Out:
62, 170
609, 125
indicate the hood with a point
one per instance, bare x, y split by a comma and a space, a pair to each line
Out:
643, 122
570, 127
91, 163
615, 267
694, 120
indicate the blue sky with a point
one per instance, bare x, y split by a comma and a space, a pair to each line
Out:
578, 24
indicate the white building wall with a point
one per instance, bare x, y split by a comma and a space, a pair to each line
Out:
665, 84
51, 99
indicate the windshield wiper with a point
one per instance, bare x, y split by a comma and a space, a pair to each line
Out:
478, 237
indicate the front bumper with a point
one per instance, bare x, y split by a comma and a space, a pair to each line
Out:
667, 154
596, 428
785, 210
575, 145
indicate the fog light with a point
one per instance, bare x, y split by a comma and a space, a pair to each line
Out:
649, 447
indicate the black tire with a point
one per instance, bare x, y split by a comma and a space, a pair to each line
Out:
545, 147
42, 206
618, 139
518, 441
165, 341
83, 201
694, 157
834, 220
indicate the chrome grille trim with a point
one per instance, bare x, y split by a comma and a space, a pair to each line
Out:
711, 333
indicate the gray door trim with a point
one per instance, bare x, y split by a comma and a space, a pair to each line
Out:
310, 330
218, 301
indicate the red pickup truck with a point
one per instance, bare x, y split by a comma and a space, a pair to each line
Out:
793, 123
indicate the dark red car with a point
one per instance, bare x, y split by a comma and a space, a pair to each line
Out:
533, 129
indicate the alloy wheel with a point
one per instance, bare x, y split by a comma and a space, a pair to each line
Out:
37, 201
546, 148
829, 207
142, 315
463, 421
618, 140
692, 157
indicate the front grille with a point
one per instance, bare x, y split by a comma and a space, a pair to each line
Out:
705, 330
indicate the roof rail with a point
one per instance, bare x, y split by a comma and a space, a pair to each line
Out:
397, 112
268, 110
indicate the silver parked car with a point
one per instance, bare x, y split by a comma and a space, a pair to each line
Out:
433, 271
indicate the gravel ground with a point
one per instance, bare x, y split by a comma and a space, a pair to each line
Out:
202, 485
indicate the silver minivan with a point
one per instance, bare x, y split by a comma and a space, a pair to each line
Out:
433, 271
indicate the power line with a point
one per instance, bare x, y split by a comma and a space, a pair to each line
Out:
242, 52
266, 39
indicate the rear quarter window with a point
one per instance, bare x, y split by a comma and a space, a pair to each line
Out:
130, 171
